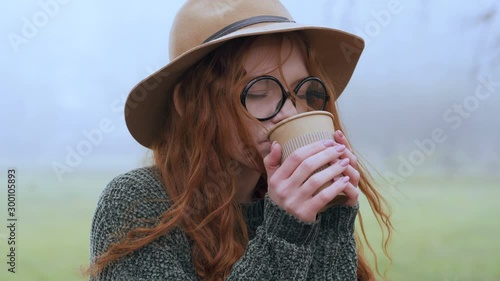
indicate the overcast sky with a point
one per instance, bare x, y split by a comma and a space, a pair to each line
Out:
63, 67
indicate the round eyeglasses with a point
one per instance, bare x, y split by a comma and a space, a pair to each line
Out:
264, 96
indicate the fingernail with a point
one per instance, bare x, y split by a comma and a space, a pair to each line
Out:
328, 143
345, 179
340, 148
273, 144
344, 162
340, 133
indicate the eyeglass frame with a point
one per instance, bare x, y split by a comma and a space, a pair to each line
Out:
285, 95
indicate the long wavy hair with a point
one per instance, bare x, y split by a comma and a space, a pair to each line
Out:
199, 174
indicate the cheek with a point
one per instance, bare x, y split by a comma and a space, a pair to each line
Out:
264, 149
258, 132
255, 130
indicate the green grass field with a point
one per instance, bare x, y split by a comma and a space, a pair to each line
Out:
444, 230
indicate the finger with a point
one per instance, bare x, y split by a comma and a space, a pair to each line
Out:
336, 178
315, 162
341, 139
353, 160
273, 159
352, 194
353, 174
316, 181
298, 156
318, 201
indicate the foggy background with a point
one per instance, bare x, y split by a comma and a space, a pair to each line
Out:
73, 67
422, 107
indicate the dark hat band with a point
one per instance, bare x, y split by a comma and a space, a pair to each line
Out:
244, 23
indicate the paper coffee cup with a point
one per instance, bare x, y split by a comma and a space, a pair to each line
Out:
302, 129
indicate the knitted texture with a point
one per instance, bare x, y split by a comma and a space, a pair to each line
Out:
281, 247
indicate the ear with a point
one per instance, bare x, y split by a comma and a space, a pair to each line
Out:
176, 98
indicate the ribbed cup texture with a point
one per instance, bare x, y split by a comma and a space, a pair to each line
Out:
300, 141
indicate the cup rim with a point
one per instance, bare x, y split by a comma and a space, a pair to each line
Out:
297, 116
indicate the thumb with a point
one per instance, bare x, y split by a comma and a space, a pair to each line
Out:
273, 159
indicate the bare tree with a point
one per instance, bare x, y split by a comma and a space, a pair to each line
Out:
488, 47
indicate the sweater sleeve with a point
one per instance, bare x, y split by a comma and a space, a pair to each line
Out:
335, 256
127, 203
281, 250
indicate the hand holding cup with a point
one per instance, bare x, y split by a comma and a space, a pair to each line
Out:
301, 168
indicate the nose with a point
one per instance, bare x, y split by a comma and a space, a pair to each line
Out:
286, 111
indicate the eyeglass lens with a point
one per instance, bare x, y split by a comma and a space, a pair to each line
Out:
264, 98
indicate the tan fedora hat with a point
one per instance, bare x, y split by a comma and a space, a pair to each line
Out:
203, 25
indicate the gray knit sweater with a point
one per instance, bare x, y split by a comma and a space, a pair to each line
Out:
281, 247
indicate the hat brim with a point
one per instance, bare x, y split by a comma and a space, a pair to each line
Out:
145, 108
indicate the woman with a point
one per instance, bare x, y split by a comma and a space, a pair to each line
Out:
217, 204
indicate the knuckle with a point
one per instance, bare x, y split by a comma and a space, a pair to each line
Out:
354, 159
356, 175
273, 182
287, 206
308, 165
324, 197
355, 196
295, 157
356, 193
280, 194
314, 181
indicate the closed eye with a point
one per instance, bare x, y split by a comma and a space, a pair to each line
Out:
257, 95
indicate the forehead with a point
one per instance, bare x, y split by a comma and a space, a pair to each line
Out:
268, 54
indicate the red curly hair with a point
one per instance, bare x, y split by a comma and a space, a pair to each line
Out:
199, 174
